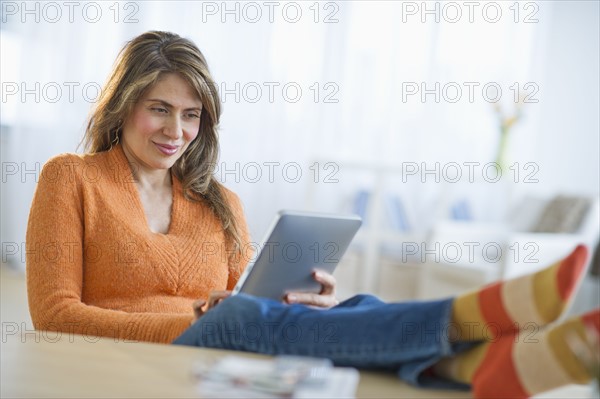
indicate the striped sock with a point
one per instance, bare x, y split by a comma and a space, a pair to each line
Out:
519, 366
524, 302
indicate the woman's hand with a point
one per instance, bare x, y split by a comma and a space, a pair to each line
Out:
200, 306
324, 299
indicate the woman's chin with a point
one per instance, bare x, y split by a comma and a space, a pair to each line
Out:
164, 165
160, 164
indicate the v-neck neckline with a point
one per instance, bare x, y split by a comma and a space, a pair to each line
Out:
126, 176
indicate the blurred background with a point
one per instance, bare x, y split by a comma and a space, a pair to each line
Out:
465, 134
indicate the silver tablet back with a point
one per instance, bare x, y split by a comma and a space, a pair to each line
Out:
296, 244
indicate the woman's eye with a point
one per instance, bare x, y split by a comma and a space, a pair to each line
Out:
159, 110
193, 116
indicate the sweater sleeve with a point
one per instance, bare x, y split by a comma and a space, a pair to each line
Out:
239, 259
55, 263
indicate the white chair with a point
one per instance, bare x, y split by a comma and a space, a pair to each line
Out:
523, 251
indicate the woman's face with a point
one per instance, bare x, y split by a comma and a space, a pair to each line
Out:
162, 124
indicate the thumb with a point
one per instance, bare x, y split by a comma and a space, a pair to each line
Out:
197, 306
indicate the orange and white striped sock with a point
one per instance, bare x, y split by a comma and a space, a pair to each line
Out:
519, 366
524, 302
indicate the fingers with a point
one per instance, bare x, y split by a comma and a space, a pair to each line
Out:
197, 306
327, 281
311, 299
215, 297
201, 306
325, 299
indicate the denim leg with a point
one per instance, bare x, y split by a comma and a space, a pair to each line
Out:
362, 332
361, 300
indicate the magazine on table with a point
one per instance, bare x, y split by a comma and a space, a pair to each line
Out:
278, 377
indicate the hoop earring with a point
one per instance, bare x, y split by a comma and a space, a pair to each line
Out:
115, 141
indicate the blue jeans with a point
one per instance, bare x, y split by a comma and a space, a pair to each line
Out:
361, 332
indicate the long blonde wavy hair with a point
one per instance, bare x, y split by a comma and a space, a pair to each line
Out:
140, 64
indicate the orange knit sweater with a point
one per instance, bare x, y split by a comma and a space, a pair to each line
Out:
94, 267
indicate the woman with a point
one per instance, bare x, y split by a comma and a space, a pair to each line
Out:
117, 246
138, 211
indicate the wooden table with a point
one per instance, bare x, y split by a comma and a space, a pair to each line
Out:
73, 366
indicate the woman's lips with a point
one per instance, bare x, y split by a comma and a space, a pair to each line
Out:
166, 148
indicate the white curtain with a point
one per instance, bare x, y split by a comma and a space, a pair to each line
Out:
354, 111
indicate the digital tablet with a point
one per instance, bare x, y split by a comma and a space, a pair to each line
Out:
295, 245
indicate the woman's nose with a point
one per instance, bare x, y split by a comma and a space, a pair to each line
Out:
173, 128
